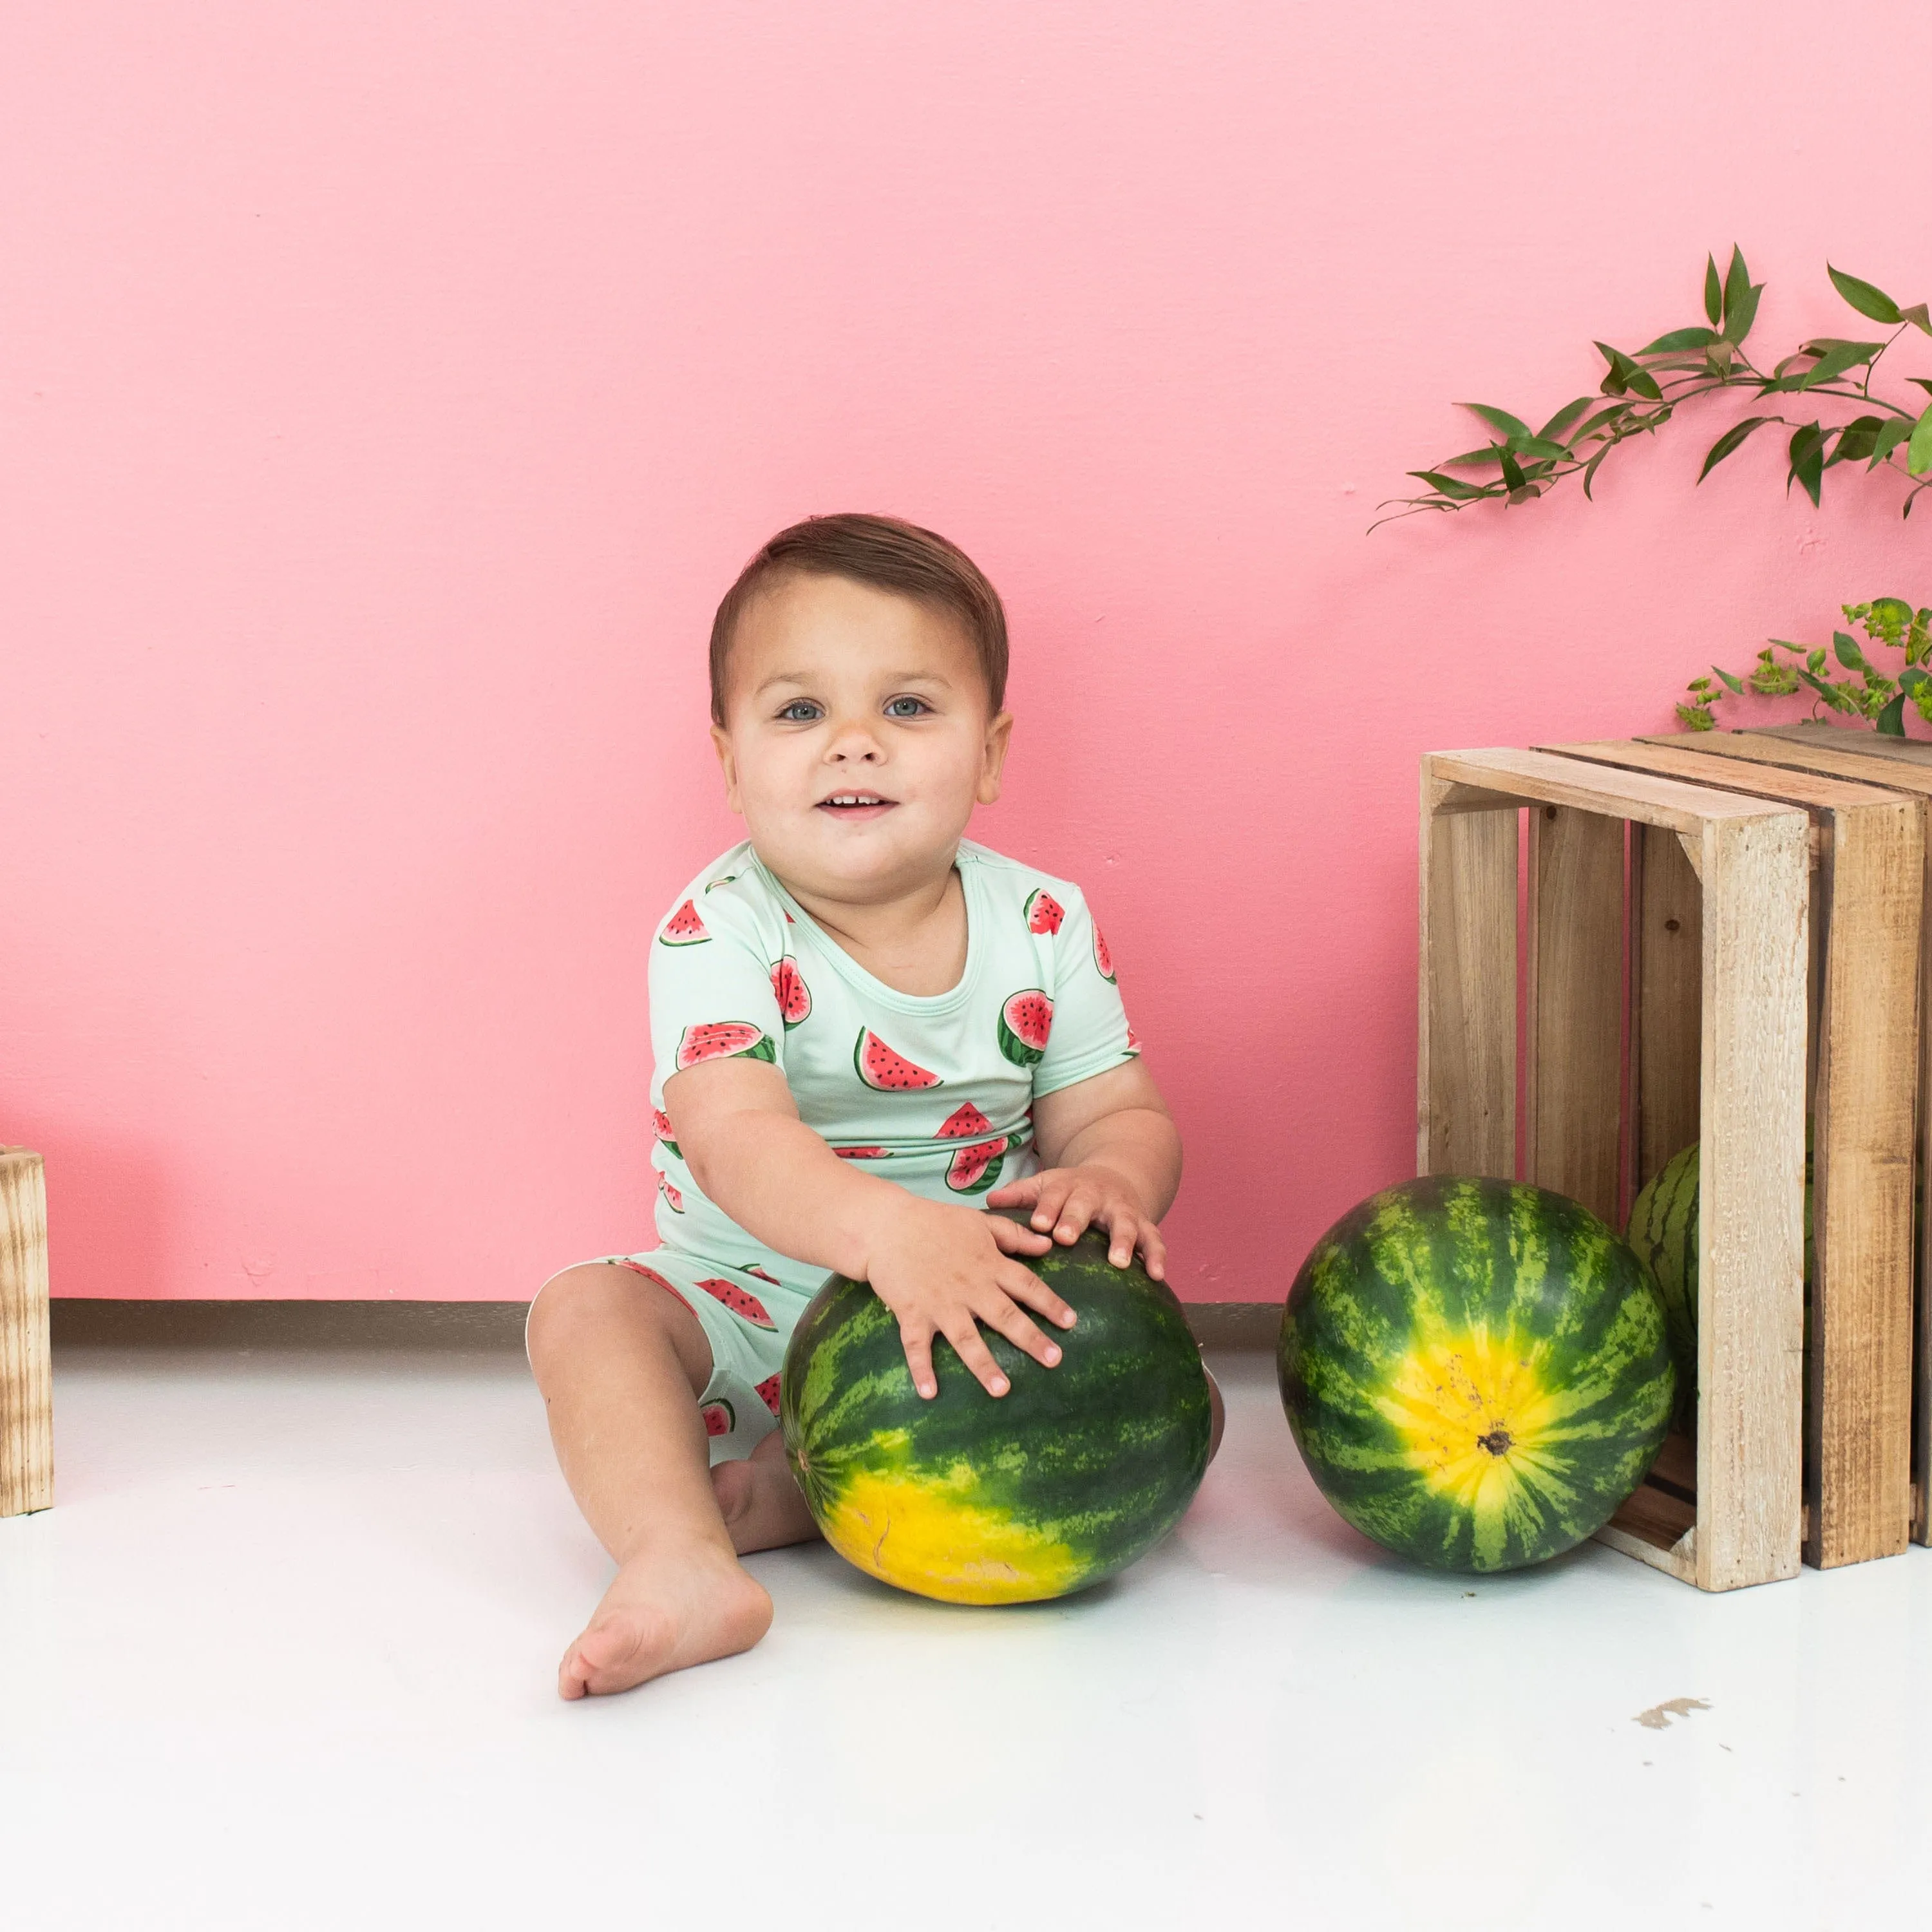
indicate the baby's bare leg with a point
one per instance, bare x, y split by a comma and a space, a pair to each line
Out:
763, 1505
620, 1364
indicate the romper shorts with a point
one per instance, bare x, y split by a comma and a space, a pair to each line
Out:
747, 1316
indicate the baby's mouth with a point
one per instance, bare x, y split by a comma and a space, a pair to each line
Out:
852, 805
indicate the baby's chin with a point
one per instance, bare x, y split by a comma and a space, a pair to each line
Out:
876, 858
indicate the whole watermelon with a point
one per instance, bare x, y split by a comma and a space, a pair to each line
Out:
1059, 1483
1476, 1371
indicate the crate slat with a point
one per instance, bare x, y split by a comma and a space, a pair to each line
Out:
1573, 1141
1465, 1065
26, 1363
1667, 978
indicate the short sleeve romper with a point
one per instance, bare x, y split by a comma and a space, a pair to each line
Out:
936, 1093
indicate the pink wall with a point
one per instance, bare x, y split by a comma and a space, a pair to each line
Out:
389, 392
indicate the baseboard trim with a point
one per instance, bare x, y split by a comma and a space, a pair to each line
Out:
82, 1322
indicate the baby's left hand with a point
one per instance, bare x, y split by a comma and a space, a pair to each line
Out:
1067, 1200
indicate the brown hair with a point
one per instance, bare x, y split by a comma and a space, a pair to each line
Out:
884, 552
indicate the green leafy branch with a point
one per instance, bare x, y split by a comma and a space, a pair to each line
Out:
1867, 692
1646, 387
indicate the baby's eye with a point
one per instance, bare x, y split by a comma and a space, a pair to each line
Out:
799, 711
907, 707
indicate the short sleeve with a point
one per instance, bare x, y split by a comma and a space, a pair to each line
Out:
1089, 1033
711, 985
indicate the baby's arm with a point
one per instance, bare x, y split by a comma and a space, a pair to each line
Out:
1112, 1160
940, 1269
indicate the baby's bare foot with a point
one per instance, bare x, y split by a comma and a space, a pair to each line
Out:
665, 1611
761, 1501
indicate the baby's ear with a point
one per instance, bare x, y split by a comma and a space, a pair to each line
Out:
999, 735
721, 743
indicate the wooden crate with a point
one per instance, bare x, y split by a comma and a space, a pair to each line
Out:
1862, 1034
1728, 1513
26, 1370
1903, 766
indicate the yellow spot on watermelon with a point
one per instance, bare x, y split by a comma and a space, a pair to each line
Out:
1479, 1422
922, 1533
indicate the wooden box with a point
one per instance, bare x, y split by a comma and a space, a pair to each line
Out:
26, 1370
1728, 1513
1867, 896
1901, 766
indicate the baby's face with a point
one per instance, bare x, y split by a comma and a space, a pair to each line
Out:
857, 737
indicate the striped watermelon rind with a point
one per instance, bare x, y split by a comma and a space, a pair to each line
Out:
1663, 1231
1477, 1372
1063, 1482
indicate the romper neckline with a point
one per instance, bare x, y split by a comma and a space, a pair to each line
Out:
868, 984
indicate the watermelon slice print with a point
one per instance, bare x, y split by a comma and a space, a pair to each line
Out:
794, 995
650, 1274
683, 928
723, 879
884, 1071
1025, 1021
1102, 958
768, 1392
975, 1169
963, 1123
763, 1276
720, 1418
673, 1198
660, 1122
740, 1301
724, 1039
1133, 1041
1043, 912
863, 1153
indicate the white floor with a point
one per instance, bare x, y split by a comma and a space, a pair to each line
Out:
282, 1657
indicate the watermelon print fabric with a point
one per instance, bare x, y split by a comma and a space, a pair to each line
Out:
935, 1094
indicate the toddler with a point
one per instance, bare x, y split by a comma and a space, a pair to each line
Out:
868, 1029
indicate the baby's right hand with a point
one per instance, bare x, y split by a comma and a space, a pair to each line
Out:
944, 1270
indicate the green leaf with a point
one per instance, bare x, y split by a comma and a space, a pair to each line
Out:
1714, 294
1891, 719
1917, 315
1855, 439
1737, 281
1863, 297
1560, 422
1449, 486
1732, 440
1604, 419
1923, 382
1910, 678
1590, 469
1849, 654
1539, 446
1891, 433
1617, 380
1808, 459
1918, 450
1738, 316
1500, 420
1830, 693
1512, 476
1835, 359
1736, 684
1472, 459
1890, 613
1678, 339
